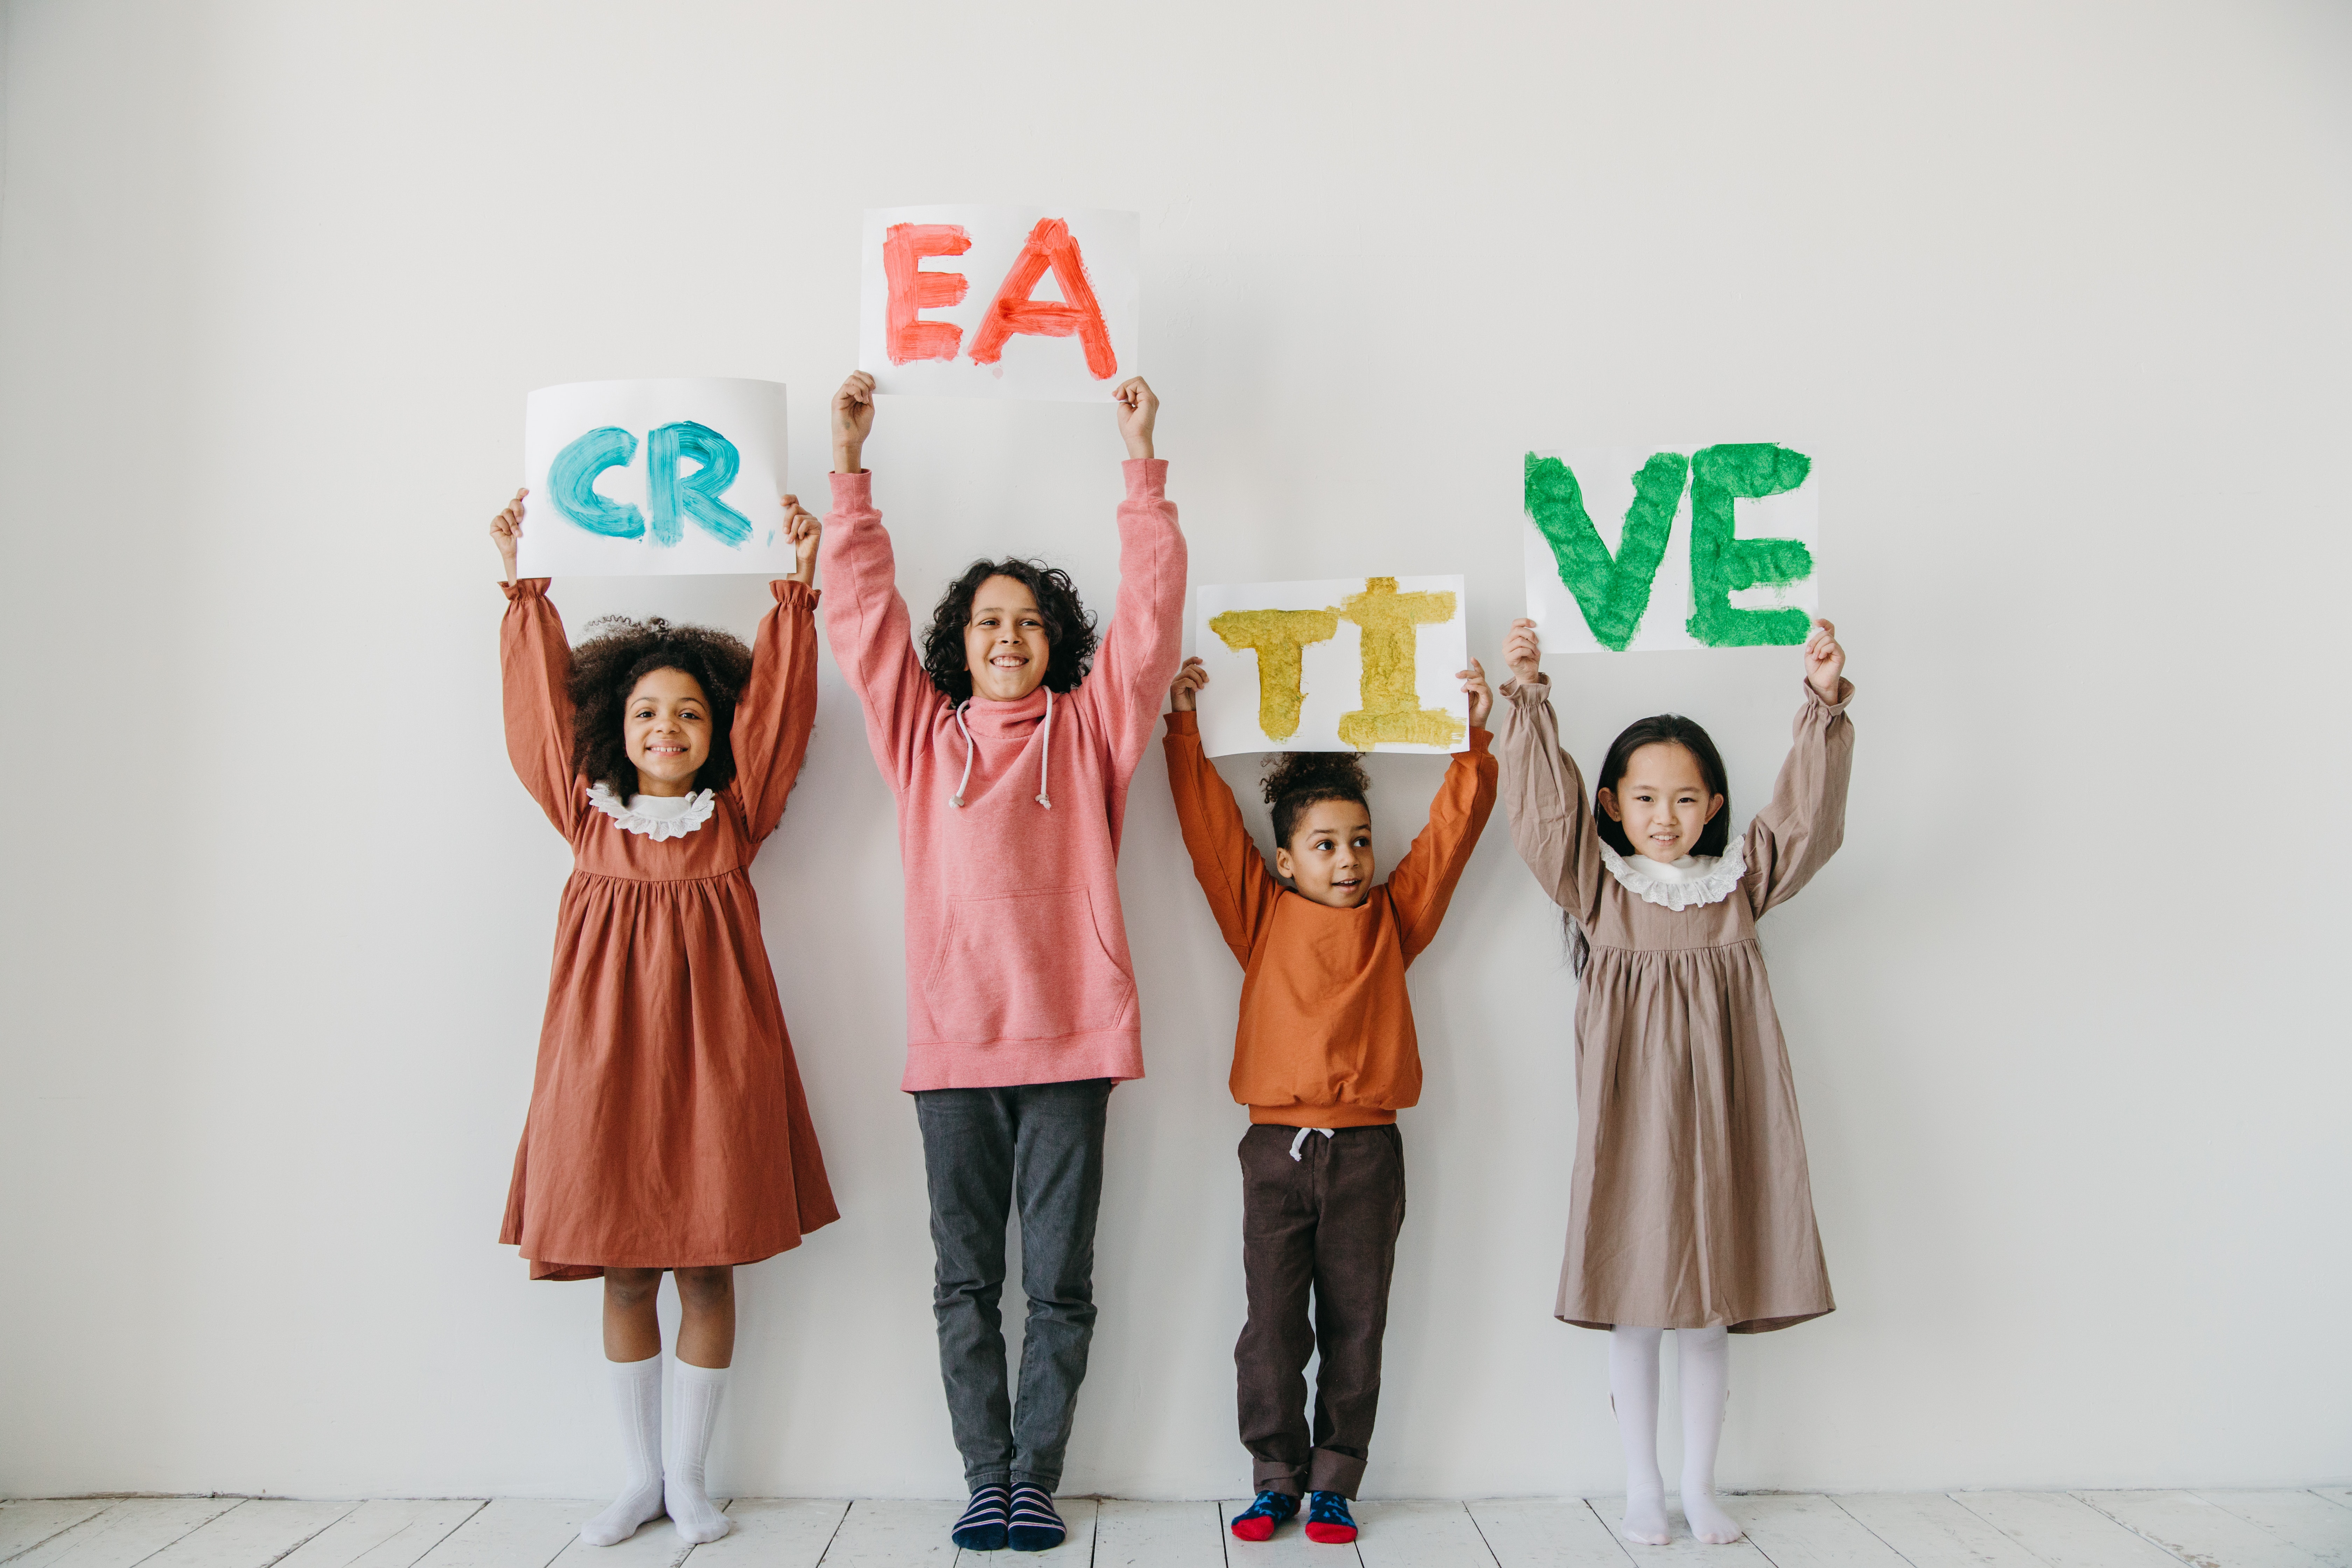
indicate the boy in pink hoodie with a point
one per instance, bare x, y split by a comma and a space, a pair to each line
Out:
1010, 762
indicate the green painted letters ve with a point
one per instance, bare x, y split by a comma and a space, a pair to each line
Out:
1613, 593
1722, 564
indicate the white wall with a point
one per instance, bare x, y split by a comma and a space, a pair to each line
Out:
2056, 293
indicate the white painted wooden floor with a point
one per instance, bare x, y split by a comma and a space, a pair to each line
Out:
1963, 1529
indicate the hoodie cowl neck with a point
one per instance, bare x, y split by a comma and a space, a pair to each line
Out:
999, 719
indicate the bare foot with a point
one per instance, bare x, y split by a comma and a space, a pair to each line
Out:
1645, 1518
1708, 1520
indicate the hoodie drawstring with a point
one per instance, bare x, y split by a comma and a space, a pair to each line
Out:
956, 799
1044, 758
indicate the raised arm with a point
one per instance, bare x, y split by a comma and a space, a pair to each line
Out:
773, 718
1543, 794
535, 669
1231, 873
867, 620
1422, 886
1141, 649
534, 674
1796, 833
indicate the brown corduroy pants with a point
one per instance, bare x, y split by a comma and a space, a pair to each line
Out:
1328, 1221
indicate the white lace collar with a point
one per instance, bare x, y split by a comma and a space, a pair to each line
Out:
656, 816
1690, 881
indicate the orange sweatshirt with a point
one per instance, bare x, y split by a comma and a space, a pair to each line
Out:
1326, 1037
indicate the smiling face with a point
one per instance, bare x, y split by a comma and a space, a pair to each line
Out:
1329, 856
1662, 800
1005, 643
666, 725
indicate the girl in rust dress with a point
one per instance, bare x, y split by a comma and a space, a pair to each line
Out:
667, 1129
1689, 1206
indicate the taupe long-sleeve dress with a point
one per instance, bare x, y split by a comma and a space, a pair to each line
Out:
1689, 1206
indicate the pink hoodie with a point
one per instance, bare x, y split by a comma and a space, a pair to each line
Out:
1016, 956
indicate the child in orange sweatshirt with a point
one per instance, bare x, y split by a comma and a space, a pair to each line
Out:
1324, 1056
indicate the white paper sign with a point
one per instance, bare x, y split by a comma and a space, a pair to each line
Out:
975, 301
1340, 665
645, 479
1631, 550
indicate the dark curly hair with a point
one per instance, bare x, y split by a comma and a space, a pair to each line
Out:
1069, 630
1297, 780
620, 652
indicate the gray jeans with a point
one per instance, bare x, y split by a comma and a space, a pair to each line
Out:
1039, 1144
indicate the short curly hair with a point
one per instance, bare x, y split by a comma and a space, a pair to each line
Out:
1297, 780
618, 654
1069, 630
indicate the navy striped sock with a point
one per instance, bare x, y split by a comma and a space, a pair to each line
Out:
982, 1527
1035, 1527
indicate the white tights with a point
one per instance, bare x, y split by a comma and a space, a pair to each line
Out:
1704, 1359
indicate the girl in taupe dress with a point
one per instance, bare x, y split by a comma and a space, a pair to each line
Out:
1689, 1208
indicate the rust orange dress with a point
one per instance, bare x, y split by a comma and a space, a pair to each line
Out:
667, 1128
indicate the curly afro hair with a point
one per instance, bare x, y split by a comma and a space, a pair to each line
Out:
1069, 630
1297, 780
620, 652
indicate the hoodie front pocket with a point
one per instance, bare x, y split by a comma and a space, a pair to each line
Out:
1025, 966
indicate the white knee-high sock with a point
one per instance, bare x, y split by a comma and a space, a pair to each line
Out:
1633, 1390
695, 1393
638, 1398
1703, 1357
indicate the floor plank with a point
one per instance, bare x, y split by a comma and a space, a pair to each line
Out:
2300, 1519
133, 1530
891, 1533
1801, 1531
1547, 1532
1421, 1534
26, 1524
2064, 1532
1931, 1531
1685, 1551
774, 1533
251, 1535
2198, 1531
1161, 1535
388, 1533
514, 1533
1290, 1543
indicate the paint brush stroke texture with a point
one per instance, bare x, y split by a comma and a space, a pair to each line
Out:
696, 494
659, 477
1347, 664
1279, 639
1712, 587
1014, 312
997, 301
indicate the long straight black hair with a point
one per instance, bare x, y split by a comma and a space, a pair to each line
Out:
1667, 729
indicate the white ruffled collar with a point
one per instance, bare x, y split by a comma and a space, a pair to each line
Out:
654, 816
1693, 880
